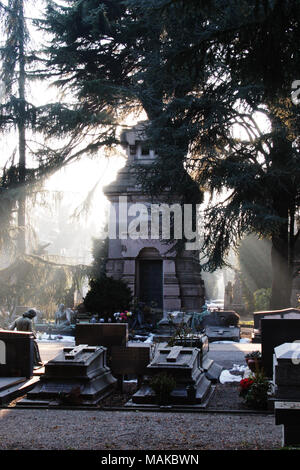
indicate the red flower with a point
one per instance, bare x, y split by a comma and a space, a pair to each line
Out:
245, 385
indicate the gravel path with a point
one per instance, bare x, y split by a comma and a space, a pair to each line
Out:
106, 430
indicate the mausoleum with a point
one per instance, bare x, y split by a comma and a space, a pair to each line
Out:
136, 252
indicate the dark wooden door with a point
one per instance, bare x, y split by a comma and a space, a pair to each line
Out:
151, 282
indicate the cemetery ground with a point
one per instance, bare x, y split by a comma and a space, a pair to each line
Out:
224, 425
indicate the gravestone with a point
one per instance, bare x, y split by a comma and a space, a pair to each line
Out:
200, 341
16, 354
275, 332
130, 360
102, 334
170, 323
222, 318
184, 365
222, 333
286, 379
222, 326
286, 371
76, 376
287, 313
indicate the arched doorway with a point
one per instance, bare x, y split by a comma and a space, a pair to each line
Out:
149, 277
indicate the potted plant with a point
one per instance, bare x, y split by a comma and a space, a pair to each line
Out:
254, 360
163, 384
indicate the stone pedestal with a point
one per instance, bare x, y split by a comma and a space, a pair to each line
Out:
287, 414
184, 365
77, 376
286, 380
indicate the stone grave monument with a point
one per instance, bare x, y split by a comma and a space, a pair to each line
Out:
273, 333
286, 380
184, 365
170, 323
288, 313
102, 334
222, 325
131, 360
76, 376
124, 358
17, 354
16, 364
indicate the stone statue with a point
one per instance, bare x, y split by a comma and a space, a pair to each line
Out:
60, 315
24, 323
64, 316
228, 300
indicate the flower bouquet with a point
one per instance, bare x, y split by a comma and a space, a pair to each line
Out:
245, 385
122, 316
255, 390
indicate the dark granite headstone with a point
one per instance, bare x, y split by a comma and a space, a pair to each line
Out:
194, 340
130, 360
223, 318
275, 332
16, 354
102, 334
287, 313
222, 333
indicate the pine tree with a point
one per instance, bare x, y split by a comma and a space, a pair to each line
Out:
236, 58
13, 75
198, 69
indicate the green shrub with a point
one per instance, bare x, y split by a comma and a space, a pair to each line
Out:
107, 296
163, 384
262, 299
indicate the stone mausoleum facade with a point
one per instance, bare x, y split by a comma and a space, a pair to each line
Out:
153, 273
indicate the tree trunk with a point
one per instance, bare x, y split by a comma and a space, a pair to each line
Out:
281, 270
21, 246
282, 253
283, 238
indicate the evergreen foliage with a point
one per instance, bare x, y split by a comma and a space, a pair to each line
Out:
200, 70
232, 60
107, 296
39, 283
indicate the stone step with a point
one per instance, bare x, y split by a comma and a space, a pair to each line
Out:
17, 390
